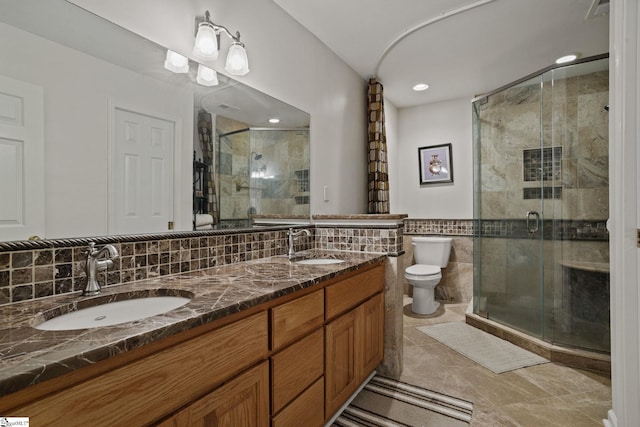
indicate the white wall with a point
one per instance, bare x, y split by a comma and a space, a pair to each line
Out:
77, 89
434, 124
391, 127
286, 62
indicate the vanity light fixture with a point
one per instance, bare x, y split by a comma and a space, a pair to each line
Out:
420, 87
207, 45
206, 76
176, 62
567, 58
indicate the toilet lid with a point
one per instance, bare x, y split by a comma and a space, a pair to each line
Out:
423, 270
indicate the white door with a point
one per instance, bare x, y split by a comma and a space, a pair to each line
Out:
142, 175
21, 160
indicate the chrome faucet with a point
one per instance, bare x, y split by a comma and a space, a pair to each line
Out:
97, 260
293, 236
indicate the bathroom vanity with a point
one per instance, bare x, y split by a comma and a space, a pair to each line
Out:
266, 342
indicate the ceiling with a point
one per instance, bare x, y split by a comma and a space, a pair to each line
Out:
466, 48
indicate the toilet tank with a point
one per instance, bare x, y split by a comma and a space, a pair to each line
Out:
431, 250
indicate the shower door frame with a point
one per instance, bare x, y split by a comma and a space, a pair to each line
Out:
513, 235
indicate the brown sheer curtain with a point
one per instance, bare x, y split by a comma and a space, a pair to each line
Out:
378, 171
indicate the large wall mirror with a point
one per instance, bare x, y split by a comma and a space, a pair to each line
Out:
98, 138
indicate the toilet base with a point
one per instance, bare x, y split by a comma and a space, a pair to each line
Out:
423, 301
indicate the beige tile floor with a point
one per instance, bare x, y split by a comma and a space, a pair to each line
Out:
539, 396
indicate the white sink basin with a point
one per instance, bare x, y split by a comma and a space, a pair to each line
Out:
113, 313
320, 261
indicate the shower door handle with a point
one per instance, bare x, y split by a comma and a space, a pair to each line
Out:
536, 224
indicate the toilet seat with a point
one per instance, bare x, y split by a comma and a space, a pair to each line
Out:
422, 270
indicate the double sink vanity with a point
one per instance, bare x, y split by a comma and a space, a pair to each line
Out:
266, 342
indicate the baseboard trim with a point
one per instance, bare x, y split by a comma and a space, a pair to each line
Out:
355, 393
612, 420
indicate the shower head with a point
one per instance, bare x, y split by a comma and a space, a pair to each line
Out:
257, 156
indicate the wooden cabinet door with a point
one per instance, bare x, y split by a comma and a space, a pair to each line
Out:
372, 331
342, 374
243, 401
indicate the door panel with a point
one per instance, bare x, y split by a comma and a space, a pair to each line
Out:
142, 179
510, 179
21, 160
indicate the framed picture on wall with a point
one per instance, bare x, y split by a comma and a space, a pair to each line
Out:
436, 165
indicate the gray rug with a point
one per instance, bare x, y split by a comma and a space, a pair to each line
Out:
492, 352
390, 403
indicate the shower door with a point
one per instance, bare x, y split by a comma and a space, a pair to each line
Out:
510, 171
541, 256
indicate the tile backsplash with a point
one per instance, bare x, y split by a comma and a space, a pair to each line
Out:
455, 227
348, 238
30, 270
41, 272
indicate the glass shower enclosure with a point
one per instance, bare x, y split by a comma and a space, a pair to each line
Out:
261, 171
541, 191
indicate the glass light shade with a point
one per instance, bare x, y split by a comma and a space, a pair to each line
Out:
206, 44
176, 62
237, 62
206, 76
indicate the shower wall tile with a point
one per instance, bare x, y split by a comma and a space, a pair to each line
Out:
493, 204
573, 117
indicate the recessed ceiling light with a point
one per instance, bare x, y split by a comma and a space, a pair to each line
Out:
420, 87
274, 120
566, 58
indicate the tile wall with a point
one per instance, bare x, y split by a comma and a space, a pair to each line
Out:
360, 239
30, 270
41, 272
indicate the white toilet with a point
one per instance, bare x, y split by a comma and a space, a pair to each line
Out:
431, 254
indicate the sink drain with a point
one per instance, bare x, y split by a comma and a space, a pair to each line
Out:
99, 318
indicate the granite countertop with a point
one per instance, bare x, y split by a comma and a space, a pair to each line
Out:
29, 356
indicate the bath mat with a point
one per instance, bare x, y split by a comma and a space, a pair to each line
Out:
493, 353
390, 403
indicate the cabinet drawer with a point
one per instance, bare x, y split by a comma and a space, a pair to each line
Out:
295, 368
350, 292
142, 392
306, 410
296, 318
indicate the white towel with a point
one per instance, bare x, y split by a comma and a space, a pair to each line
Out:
203, 219
204, 227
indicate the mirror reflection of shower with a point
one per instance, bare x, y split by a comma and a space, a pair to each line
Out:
261, 171
257, 171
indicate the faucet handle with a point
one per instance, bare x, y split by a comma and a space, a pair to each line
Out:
91, 249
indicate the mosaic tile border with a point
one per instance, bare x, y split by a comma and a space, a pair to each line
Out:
451, 227
377, 239
59, 268
578, 230
39, 269
582, 230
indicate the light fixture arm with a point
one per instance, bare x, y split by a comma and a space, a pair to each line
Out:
221, 29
